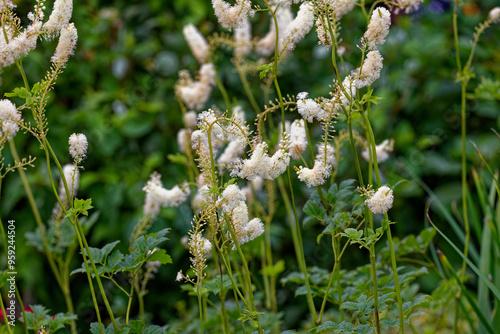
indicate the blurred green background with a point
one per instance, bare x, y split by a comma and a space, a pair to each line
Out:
118, 90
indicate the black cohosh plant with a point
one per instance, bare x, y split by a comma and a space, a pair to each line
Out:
244, 169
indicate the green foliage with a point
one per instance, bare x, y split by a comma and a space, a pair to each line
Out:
40, 318
143, 250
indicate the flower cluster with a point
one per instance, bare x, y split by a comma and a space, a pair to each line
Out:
66, 46
370, 70
310, 109
10, 119
197, 43
382, 150
494, 15
78, 146
407, 6
157, 196
59, 18
195, 94
378, 28
234, 206
232, 16
325, 161
260, 164
299, 27
381, 201
298, 138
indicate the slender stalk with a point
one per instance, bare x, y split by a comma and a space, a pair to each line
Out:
247, 274
248, 90
99, 283
373, 265
389, 235
2, 307
130, 295
223, 92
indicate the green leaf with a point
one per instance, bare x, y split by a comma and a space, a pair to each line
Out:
177, 158
21, 92
153, 329
264, 70
275, 269
137, 326
159, 255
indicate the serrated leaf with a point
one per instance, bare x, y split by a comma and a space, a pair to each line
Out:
276, 269
159, 255
177, 158
153, 329
264, 70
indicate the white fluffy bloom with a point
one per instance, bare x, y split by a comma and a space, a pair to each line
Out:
299, 27
243, 39
157, 196
298, 138
232, 16
6, 4
195, 94
342, 7
78, 146
183, 137
343, 97
20, 45
244, 229
260, 164
231, 154
190, 119
378, 28
370, 70
197, 241
277, 164
179, 276
9, 117
310, 109
381, 201
197, 43
200, 198
325, 161
494, 15
338, 8
231, 196
407, 6
284, 16
383, 150
66, 46
60, 16
72, 177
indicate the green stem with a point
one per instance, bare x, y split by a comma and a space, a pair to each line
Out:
130, 295
223, 92
246, 273
99, 283
7, 325
248, 91
372, 146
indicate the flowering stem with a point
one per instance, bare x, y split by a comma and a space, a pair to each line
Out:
223, 92
396, 278
5, 315
372, 148
248, 90
247, 274
99, 283
335, 273
373, 265
130, 296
